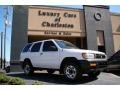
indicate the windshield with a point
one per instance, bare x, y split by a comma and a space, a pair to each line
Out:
66, 45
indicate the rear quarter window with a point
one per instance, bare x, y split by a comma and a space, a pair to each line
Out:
36, 47
26, 48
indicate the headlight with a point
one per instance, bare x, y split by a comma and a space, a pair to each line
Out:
88, 55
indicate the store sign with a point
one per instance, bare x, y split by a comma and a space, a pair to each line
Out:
50, 20
57, 19
57, 33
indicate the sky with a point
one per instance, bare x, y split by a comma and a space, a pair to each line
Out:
8, 29
113, 8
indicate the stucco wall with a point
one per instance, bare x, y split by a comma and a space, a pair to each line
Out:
98, 18
19, 32
115, 19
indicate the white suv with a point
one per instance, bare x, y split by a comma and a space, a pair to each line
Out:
52, 55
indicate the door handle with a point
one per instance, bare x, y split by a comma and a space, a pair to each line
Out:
41, 53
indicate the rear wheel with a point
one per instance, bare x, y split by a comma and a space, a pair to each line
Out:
72, 71
28, 68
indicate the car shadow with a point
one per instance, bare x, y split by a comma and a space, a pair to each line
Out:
53, 78
115, 72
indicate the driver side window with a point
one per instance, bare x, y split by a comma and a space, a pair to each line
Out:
49, 46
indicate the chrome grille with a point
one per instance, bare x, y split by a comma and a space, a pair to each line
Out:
99, 56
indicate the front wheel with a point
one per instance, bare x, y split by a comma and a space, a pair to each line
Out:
72, 71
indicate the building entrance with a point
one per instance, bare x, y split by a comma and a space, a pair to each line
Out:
101, 41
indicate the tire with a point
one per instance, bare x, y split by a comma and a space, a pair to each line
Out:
50, 71
28, 68
72, 71
94, 74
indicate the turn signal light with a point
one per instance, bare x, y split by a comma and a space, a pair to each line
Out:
93, 64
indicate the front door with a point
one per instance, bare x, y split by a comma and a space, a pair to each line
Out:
49, 55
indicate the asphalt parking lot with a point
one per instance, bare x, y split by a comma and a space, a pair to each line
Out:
56, 79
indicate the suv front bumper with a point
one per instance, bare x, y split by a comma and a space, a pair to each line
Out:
88, 66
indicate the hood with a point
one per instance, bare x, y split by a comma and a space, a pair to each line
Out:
84, 51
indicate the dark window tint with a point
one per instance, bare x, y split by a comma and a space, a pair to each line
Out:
26, 47
117, 54
49, 46
65, 45
36, 47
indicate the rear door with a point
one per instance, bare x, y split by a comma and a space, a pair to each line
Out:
35, 54
25, 52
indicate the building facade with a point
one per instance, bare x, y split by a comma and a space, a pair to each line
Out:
93, 27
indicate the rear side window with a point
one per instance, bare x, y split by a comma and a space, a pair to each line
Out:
36, 47
27, 48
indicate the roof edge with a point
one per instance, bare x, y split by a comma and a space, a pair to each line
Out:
56, 7
98, 6
115, 13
